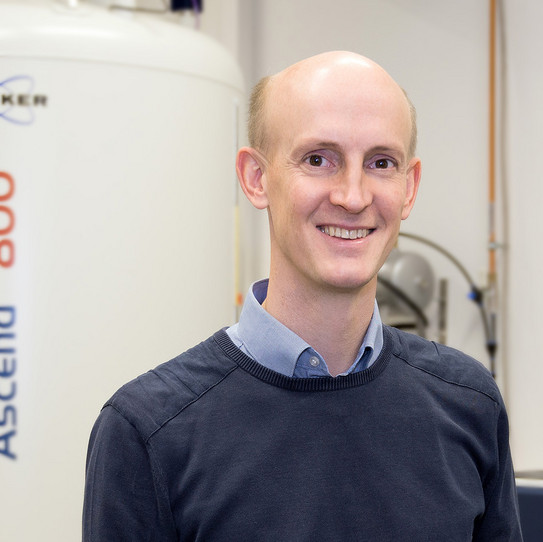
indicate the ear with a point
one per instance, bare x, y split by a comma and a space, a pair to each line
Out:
413, 181
250, 167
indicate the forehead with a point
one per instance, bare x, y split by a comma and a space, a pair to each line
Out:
348, 104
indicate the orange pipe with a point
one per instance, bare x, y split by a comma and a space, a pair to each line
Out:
492, 144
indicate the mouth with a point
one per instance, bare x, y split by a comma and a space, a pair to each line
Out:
343, 233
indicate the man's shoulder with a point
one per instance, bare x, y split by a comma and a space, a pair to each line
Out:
444, 363
153, 398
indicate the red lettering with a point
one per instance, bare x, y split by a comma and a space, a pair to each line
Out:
11, 186
7, 247
7, 253
11, 219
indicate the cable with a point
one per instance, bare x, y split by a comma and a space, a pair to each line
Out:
439, 248
476, 294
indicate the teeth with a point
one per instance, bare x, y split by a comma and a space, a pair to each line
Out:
343, 233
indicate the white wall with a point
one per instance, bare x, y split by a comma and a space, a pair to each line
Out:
525, 197
438, 51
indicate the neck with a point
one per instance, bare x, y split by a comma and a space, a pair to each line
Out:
333, 322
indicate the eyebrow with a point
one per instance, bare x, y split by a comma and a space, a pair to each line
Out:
397, 152
316, 144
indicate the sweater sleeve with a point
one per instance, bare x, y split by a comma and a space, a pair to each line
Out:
125, 499
501, 520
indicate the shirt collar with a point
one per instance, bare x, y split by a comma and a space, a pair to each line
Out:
273, 345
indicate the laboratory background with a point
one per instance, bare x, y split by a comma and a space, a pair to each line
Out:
121, 223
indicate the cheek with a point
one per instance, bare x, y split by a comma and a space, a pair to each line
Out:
291, 201
391, 203
281, 212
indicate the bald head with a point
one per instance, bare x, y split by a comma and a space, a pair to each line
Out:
318, 77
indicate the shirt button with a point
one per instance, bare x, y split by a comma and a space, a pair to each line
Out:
314, 361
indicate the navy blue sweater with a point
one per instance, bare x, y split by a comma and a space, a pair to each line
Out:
212, 446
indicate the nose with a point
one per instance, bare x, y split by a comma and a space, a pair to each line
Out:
352, 190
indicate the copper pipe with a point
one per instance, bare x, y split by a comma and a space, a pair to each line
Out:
492, 145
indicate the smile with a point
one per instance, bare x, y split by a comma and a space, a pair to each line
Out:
343, 233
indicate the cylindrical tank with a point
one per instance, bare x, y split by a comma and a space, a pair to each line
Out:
117, 143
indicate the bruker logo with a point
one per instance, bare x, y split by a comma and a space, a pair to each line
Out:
18, 101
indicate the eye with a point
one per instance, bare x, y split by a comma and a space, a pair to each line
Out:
317, 160
382, 163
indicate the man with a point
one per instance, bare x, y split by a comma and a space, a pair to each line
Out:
309, 420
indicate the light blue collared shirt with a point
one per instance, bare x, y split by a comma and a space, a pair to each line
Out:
263, 338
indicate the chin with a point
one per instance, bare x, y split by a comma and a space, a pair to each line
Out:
350, 283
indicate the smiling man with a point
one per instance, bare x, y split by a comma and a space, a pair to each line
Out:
309, 420
332, 162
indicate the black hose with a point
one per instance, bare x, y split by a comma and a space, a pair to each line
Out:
476, 295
